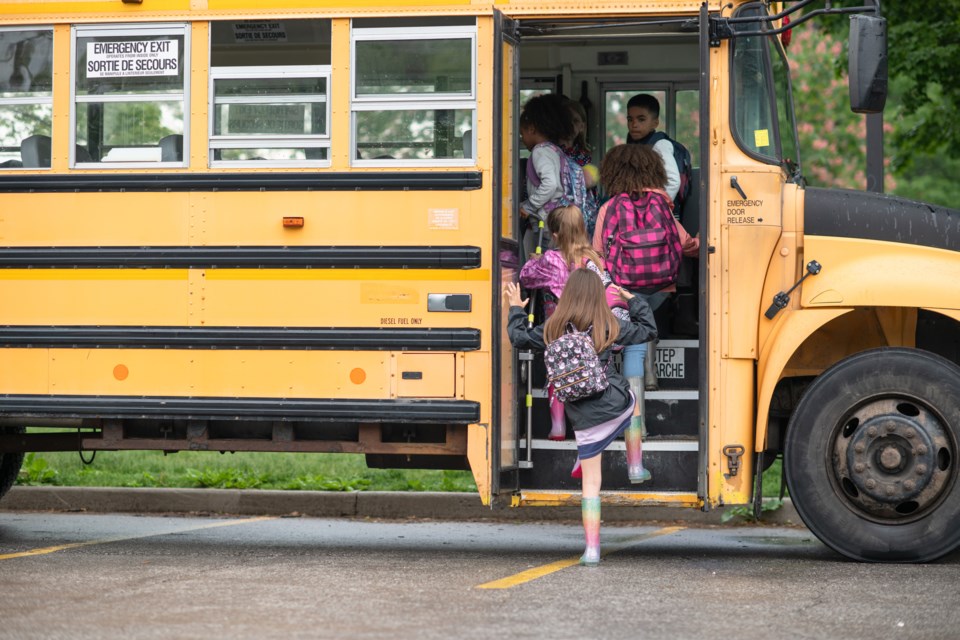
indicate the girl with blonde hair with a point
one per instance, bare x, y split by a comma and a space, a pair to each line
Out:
549, 272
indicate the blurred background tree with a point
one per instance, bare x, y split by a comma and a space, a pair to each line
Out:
922, 116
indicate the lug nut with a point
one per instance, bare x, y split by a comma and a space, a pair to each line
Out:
871, 483
859, 447
872, 432
859, 467
911, 433
921, 469
909, 485
890, 491
922, 449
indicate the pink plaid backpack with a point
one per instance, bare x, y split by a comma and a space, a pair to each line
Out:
643, 244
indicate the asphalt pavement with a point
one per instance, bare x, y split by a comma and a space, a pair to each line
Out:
337, 504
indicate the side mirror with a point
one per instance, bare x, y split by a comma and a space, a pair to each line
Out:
868, 63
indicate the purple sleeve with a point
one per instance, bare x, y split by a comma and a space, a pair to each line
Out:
547, 272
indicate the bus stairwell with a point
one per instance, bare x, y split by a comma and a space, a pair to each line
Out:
670, 447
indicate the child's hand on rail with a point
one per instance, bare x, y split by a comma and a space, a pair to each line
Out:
511, 291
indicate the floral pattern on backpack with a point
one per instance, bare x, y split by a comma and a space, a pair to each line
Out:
573, 366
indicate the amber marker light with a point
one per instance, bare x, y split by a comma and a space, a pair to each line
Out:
292, 222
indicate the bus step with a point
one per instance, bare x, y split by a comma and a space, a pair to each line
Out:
646, 498
655, 444
668, 414
673, 464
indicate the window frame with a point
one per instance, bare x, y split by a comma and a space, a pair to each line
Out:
34, 100
244, 141
770, 46
124, 30
466, 101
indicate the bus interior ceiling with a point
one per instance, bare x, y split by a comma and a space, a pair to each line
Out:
602, 63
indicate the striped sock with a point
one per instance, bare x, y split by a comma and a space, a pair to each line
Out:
633, 441
590, 508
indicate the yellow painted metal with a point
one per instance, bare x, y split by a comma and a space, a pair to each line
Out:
478, 455
618, 498
861, 273
77, 11
856, 302
425, 375
389, 298
196, 148
340, 93
331, 218
195, 372
94, 297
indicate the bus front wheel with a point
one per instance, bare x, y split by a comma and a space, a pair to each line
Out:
871, 456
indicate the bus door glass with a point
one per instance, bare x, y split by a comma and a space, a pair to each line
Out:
505, 446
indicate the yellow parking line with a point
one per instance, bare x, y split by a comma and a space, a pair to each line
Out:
553, 567
74, 545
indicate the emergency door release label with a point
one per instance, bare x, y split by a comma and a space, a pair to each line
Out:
743, 211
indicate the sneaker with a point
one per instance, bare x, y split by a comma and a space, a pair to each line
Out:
590, 558
638, 475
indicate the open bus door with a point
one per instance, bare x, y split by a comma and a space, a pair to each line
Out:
504, 446
673, 449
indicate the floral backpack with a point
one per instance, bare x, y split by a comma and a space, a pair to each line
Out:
573, 366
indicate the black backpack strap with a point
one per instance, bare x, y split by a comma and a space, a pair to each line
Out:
656, 137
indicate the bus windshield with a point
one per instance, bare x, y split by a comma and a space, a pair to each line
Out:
763, 117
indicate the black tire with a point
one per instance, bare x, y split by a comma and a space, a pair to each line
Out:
871, 456
9, 464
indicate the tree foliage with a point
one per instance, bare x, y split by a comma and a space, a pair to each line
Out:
921, 130
923, 57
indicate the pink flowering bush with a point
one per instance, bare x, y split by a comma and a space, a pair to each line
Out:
832, 138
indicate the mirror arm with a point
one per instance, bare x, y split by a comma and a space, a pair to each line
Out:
727, 32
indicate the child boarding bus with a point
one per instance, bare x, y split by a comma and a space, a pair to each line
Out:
231, 228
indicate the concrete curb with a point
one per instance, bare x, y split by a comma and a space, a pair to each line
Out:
337, 504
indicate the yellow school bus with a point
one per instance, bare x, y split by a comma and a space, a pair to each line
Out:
233, 227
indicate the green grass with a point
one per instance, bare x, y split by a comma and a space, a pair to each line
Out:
201, 469
292, 471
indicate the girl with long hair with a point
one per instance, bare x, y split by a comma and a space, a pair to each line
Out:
549, 273
597, 419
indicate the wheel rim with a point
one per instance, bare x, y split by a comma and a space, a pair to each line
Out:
892, 459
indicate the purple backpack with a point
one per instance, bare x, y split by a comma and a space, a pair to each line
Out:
572, 183
573, 366
643, 244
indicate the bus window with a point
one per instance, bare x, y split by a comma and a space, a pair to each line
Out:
129, 92
755, 126
270, 89
615, 110
687, 129
26, 94
679, 114
413, 93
